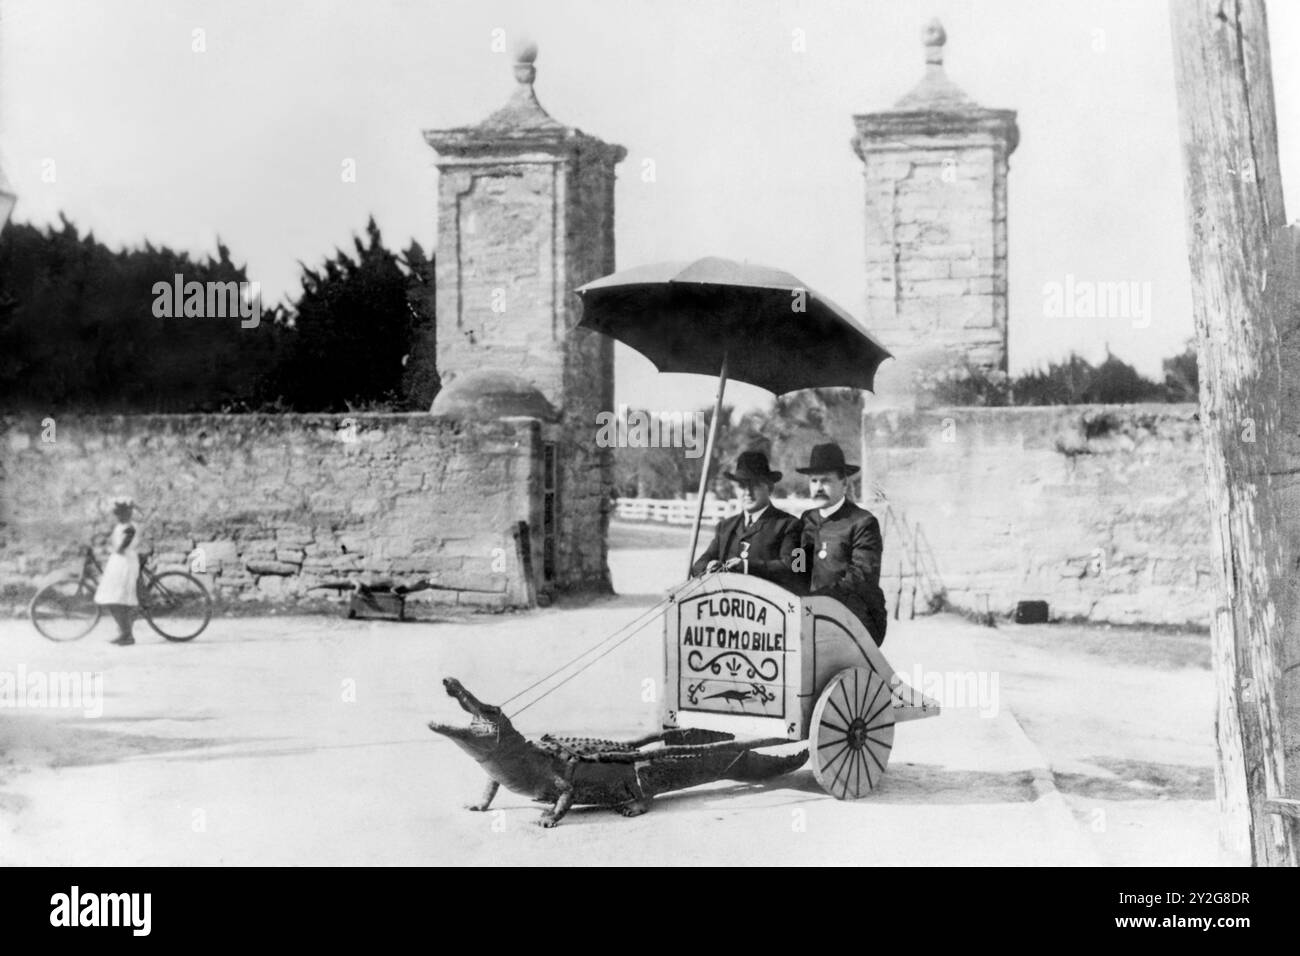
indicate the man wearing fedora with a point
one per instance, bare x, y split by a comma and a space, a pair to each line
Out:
842, 541
761, 539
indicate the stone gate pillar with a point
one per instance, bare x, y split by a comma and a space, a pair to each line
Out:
935, 167
525, 216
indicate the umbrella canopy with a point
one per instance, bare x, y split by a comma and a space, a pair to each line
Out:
774, 331
734, 320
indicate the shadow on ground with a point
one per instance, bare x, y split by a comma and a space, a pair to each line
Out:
1135, 779
907, 784
71, 743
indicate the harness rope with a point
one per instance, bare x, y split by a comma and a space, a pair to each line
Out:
649, 615
652, 610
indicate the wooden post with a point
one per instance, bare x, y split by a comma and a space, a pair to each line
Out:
1282, 300
1234, 204
708, 459
863, 458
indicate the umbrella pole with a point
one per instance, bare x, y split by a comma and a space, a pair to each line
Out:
708, 459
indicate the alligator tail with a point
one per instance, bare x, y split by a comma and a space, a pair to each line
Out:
679, 768
756, 766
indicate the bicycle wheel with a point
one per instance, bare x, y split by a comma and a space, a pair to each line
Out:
65, 610
176, 605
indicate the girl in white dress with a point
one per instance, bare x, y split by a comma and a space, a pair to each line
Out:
117, 587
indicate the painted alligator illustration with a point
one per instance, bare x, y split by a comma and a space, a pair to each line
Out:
739, 696
759, 693
623, 775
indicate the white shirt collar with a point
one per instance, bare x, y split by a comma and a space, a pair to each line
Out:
831, 509
754, 516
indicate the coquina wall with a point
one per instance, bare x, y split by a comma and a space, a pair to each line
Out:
1100, 510
271, 505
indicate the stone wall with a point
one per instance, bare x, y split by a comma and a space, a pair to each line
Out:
279, 503
1100, 510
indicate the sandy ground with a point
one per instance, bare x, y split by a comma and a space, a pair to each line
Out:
302, 740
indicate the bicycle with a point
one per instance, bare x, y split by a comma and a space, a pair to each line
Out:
175, 604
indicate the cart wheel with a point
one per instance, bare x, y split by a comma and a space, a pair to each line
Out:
852, 733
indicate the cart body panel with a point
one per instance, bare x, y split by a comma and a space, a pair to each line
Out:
833, 639
732, 657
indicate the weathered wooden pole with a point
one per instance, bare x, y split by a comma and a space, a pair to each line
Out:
1282, 303
1234, 206
708, 460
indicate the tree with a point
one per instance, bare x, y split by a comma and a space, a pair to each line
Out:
797, 421
354, 329
79, 329
1182, 375
651, 472
1114, 381
420, 380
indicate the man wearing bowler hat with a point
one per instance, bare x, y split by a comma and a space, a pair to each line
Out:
842, 541
762, 539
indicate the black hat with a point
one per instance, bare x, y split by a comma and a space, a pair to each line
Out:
751, 466
828, 457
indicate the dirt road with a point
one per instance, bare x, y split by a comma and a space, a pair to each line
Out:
302, 740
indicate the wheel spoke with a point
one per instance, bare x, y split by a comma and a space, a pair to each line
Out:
837, 756
837, 710
874, 697
879, 710
845, 762
844, 694
874, 759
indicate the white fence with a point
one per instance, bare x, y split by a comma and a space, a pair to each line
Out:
682, 510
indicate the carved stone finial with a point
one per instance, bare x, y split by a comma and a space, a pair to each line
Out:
525, 55
934, 38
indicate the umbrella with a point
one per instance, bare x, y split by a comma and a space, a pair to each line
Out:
735, 320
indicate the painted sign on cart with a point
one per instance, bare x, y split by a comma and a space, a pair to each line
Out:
732, 654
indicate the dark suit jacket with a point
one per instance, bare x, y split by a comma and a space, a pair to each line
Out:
850, 570
771, 542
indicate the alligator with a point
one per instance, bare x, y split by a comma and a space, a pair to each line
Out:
624, 775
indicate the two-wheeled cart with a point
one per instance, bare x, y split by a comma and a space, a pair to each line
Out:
748, 657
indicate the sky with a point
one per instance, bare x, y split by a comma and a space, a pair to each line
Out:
111, 114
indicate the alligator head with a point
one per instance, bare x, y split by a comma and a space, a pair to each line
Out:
488, 728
